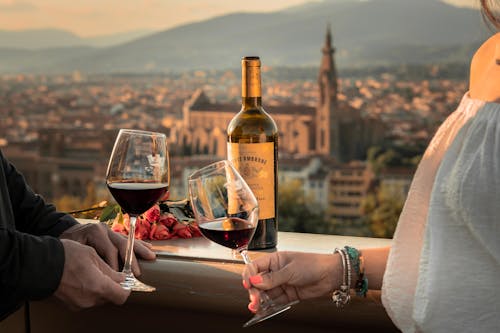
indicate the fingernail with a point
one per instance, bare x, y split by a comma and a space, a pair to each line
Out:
251, 307
256, 279
245, 284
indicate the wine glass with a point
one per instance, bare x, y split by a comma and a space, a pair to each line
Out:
138, 176
227, 213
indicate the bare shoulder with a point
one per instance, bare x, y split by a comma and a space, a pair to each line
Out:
485, 72
486, 51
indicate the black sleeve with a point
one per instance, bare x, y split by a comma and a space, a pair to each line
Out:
31, 257
30, 266
32, 214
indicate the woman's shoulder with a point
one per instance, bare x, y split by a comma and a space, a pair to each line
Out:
488, 46
485, 71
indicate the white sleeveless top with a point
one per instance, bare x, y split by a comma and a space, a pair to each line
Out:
443, 271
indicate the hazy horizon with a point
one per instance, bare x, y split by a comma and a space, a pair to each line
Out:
93, 18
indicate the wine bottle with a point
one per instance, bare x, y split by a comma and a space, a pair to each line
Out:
253, 149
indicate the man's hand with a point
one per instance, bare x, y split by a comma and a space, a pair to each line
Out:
87, 280
108, 244
290, 276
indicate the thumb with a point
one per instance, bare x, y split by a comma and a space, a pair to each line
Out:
270, 280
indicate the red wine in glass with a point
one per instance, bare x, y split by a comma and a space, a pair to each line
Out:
136, 198
138, 176
227, 213
230, 232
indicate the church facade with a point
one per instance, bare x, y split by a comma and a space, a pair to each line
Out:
332, 129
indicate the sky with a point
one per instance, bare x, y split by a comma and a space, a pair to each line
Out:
88, 18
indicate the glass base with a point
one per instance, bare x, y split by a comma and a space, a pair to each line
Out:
270, 311
131, 283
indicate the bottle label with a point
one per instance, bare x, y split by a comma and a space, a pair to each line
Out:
255, 162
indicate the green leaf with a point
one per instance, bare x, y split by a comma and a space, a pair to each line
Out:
109, 212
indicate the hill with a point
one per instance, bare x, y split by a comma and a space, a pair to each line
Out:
366, 33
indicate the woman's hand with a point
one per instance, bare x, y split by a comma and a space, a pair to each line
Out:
290, 276
108, 244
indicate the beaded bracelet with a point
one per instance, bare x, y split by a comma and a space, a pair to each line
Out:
357, 260
342, 296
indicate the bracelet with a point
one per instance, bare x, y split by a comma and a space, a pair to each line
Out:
361, 285
342, 296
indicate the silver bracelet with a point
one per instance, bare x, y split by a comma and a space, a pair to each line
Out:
342, 296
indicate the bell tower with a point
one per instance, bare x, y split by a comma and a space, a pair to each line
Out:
327, 125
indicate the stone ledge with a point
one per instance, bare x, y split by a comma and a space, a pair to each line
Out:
199, 288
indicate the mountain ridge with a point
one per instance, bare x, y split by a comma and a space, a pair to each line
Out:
365, 33
36, 39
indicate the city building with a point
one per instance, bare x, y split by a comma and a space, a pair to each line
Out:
312, 172
320, 145
334, 128
316, 144
349, 184
65, 162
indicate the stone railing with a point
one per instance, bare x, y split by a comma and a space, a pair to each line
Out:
199, 290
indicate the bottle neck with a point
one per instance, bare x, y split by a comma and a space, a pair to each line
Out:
250, 85
248, 103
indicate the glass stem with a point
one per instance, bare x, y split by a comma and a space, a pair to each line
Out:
246, 258
127, 267
265, 300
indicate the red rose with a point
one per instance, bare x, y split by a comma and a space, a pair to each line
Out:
194, 229
182, 231
152, 214
155, 225
153, 230
159, 231
142, 228
168, 220
119, 227
126, 222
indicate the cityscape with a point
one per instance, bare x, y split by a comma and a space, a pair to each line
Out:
356, 102
59, 131
125, 127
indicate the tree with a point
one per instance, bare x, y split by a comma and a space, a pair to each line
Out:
382, 209
401, 156
298, 213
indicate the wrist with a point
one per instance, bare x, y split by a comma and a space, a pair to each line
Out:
341, 296
359, 282
339, 271
334, 272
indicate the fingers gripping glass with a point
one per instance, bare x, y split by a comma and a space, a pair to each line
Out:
227, 213
137, 177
